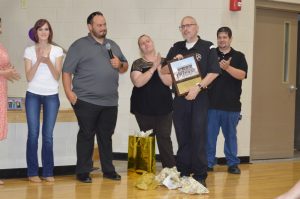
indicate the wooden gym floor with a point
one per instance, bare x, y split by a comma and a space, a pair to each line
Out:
259, 180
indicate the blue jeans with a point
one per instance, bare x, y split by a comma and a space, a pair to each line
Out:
228, 122
33, 104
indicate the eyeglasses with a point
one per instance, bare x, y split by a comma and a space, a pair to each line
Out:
186, 26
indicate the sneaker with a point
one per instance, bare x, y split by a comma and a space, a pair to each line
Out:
1, 182
234, 169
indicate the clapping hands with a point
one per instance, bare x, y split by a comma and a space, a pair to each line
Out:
11, 73
157, 63
43, 56
225, 64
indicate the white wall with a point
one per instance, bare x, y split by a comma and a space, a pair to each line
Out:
128, 19
13, 149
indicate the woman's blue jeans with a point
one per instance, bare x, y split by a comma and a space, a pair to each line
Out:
50, 105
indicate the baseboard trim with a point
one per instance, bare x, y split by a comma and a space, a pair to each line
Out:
70, 169
221, 161
22, 172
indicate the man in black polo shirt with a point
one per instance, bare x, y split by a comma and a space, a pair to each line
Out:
190, 111
91, 80
225, 105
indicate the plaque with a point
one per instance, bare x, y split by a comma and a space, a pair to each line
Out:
185, 74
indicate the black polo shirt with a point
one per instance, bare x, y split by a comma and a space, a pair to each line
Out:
205, 52
226, 90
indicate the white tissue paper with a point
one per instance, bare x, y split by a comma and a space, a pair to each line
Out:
191, 186
170, 178
143, 134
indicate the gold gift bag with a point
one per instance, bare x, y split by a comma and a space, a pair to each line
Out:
141, 154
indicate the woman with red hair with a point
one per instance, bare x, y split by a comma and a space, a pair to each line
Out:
43, 65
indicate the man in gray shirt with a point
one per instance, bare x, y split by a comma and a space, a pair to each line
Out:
90, 78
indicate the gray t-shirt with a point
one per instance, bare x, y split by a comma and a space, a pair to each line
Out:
94, 79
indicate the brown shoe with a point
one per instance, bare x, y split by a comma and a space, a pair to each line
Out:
49, 179
35, 179
1, 182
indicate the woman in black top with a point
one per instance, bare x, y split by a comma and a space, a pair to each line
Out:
151, 99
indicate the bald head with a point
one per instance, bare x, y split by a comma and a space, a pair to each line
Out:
189, 18
189, 28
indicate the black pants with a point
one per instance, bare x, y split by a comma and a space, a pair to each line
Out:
162, 126
99, 120
190, 122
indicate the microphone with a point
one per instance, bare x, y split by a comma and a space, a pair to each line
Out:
108, 48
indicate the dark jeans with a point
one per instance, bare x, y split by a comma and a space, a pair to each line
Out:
162, 126
190, 122
33, 104
99, 120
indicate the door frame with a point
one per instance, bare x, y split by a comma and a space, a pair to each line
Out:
280, 6
297, 106
276, 5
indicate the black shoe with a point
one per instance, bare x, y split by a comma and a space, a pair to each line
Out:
184, 175
201, 181
112, 176
234, 169
84, 177
210, 169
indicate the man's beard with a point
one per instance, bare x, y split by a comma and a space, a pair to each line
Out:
99, 36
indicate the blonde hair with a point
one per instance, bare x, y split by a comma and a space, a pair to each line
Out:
140, 37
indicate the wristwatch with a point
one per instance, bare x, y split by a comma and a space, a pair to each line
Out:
201, 87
